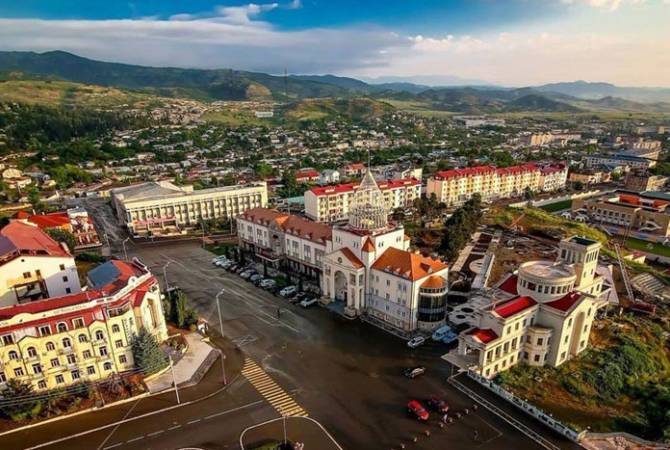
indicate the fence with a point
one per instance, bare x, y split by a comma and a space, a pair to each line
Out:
529, 409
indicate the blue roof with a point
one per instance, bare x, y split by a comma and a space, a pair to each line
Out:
103, 275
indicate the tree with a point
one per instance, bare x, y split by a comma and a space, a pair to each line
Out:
64, 236
148, 356
178, 308
27, 408
528, 193
460, 226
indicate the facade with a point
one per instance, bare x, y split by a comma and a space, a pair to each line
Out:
587, 177
638, 181
541, 315
332, 203
370, 271
329, 176
619, 159
643, 212
306, 176
163, 208
555, 138
33, 266
275, 236
81, 337
455, 187
73, 220
478, 121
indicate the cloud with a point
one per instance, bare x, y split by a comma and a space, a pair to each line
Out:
611, 5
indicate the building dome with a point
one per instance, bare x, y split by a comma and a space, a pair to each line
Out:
367, 211
545, 280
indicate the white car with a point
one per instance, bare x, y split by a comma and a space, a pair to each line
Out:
288, 291
416, 341
308, 302
221, 262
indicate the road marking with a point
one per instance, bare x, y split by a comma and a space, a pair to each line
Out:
174, 427
113, 446
156, 433
125, 416
134, 439
274, 394
193, 421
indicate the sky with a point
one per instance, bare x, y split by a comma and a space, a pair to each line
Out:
504, 42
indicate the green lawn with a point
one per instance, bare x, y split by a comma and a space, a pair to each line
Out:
558, 206
649, 247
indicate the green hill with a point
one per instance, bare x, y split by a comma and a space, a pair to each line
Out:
354, 109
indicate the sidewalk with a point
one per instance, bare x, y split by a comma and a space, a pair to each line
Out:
190, 368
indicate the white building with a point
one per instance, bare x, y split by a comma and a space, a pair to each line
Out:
619, 159
541, 315
163, 208
33, 266
329, 176
371, 272
332, 203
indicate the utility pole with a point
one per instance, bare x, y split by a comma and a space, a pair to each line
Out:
223, 367
174, 381
167, 285
284, 421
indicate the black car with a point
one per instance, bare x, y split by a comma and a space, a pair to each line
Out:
437, 404
413, 372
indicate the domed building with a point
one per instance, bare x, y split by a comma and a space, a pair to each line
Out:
541, 314
371, 272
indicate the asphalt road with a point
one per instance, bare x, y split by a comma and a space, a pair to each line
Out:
345, 374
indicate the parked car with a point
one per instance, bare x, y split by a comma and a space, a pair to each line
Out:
416, 341
255, 277
218, 258
413, 372
438, 405
417, 410
232, 267
247, 274
225, 265
309, 301
444, 334
267, 283
221, 262
300, 296
288, 291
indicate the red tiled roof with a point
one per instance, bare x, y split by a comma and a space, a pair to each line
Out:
514, 306
308, 173
368, 246
484, 336
566, 302
350, 187
263, 216
306, 229
482, 170
19, 238
510, 285
351, 257
48, 304
411, 266
434, 282
355, 166
50, 220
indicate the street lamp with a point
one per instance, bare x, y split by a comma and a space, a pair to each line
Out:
125, 253
167, 285
218, 307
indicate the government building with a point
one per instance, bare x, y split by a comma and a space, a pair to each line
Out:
161, 208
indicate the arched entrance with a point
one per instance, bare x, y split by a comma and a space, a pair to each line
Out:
341, 287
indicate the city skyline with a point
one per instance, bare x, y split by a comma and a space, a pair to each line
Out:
513, 43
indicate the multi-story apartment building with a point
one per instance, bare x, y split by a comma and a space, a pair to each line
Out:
639, 181
542, 314
33, 266
274, 236
455, 187
478, 121
619, 159
163, 208
81, 337
646, 212
553, 138
590, 176
332, 203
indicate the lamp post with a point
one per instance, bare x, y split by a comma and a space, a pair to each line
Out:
167, 285
218, 308
125, 253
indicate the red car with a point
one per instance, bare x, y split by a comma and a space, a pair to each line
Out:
438, 405
417, 410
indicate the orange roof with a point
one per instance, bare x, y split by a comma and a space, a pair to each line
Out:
434, 282
368, 246
306, 229
351, 257
19, 238
484, 336
411, 266
263, 216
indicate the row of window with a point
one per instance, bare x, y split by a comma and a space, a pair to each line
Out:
60, 379
61, 327
545, 288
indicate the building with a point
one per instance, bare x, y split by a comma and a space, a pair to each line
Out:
277, 237
332, 203
329, 176
157, 208
306, 176
478, 121
619, 159
640, 181
587, 177
542, 314
646, 212
554, 138
74, 220
33, 266
397, 172
370, 271
455, 187
81, 337
353, 170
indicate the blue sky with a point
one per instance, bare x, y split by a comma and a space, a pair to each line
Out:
510, 42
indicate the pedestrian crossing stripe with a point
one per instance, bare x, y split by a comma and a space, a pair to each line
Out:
283, 403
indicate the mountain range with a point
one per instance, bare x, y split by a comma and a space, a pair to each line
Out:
230, 84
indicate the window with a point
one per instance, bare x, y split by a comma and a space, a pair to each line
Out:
32, 352
37, 368
45, 330
540, 341
118, 344
83, 338
90, 370
103, 351
18, 372
123, 359
62, 267
55, 362
26, 275
536, 358
99, 335
50, 347
42, 384
7, 339
75, 374
562, 356
78, 323
107, 366
13, 355
71, 359
64, 279
115, 328
67, 343
86, 354
68, 290
61, 327
60, 379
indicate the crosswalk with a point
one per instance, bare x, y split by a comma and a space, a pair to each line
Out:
270, 390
